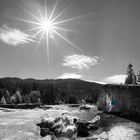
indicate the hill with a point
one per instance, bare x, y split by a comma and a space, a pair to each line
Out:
60, 88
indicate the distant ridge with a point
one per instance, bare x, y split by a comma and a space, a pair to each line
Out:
74, 85
33, 79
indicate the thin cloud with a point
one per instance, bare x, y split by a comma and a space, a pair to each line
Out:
80, 61
14, 36
70, 75
116, 79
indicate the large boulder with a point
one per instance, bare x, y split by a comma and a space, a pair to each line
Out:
127, 99
84, 127
59, 127
67, 127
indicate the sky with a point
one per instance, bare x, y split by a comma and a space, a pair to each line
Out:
93, 40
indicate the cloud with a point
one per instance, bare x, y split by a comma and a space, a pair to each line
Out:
80, 61
116, 79
70, 75
14, 36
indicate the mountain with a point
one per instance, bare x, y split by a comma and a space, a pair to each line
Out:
72, 84
74, 87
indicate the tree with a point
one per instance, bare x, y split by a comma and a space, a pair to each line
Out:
3, 101
16, 98
26, 99
1, 93
130, 74
48, 94
138, 78
7, 96
134, 79
35, 96
71, 99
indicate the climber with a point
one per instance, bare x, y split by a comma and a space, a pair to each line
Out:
112, 103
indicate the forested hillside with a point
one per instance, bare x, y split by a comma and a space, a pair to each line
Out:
16, 90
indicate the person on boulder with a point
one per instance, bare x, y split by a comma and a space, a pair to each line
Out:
113, 102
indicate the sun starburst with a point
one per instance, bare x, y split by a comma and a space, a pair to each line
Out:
46, 26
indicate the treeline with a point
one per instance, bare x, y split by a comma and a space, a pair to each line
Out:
17, 91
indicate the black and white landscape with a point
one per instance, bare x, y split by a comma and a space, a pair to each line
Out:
69, 69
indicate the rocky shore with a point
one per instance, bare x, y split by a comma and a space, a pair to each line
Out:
20, 124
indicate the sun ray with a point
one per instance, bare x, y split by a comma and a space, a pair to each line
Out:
39, 11
47, 48
42, 35
32, 29
63, 29
68, 41
71, 19
27, 21
36, 48
46, 14
49, 25
52, 13
60, 14
31, 14
37, 33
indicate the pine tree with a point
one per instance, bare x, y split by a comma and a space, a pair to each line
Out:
3, 101
51, 95
138, 78
130, 74
48, 94
134, 79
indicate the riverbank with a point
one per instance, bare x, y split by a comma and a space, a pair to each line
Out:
20, 124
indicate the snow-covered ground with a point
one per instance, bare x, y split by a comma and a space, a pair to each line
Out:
19, 124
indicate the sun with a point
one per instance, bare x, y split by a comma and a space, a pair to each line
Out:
48, 26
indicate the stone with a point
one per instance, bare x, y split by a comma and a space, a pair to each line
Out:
126, 97
84, 107
82, 129
67, 127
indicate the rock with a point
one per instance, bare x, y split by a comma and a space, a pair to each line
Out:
44, 132
82, 129
48, 137
70, 130
60, 126
46, 126
97, 118
84, 107
67, 127
127, 98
